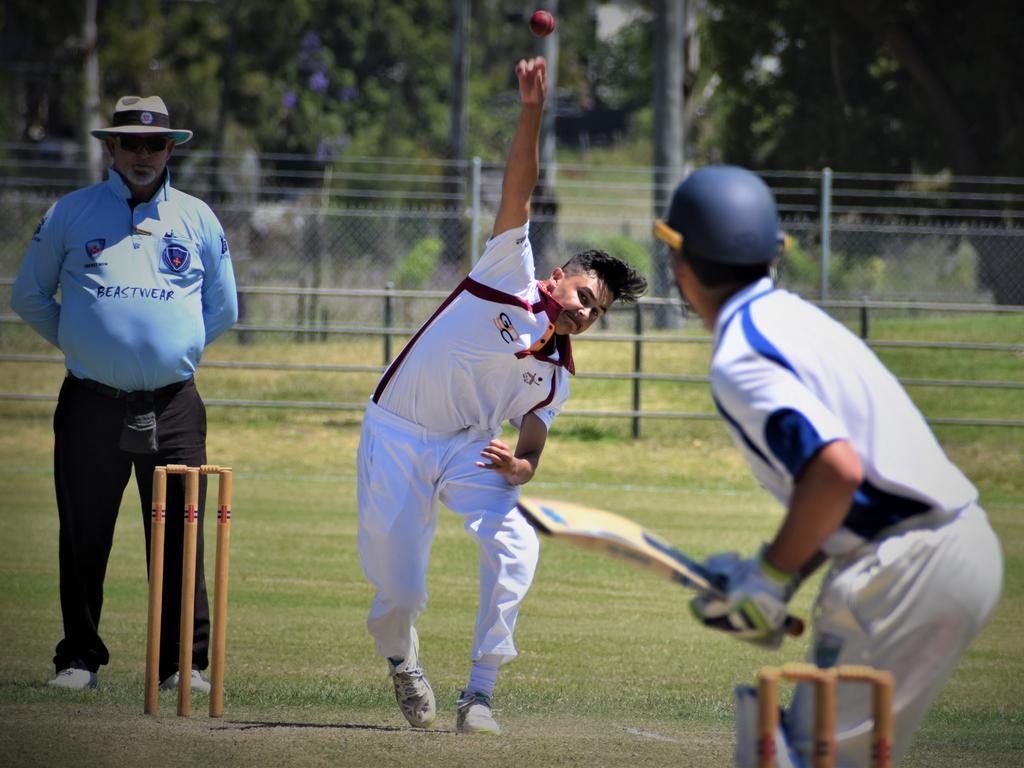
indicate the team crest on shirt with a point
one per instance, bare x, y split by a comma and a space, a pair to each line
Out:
533, 378
176, 257
95, 247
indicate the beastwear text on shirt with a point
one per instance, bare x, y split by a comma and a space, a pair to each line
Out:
126, 291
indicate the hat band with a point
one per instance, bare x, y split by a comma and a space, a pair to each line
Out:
141, 117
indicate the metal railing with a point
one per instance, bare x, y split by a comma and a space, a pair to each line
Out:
639, 339
351, 220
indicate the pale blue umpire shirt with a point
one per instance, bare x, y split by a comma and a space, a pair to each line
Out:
142, 291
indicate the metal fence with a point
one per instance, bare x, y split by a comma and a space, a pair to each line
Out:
365, 247
380, 322
364, 222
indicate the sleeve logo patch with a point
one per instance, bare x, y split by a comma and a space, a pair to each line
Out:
176, 257
223, 244
95, 247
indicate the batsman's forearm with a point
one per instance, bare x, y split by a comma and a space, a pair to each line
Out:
812, 565
820, 501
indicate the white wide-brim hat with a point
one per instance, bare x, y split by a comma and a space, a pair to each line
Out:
142, 115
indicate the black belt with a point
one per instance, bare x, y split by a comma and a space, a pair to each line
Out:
116, 394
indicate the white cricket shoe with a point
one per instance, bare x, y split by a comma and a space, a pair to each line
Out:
74, 679
412, 691
199, 683
473, 713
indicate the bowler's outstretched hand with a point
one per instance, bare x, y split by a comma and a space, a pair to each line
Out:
533, 80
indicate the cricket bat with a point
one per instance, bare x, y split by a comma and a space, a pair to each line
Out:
627, 540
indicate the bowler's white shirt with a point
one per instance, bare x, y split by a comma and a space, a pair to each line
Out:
461, 369
789, 380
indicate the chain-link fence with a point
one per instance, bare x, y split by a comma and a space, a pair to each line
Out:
299, 222
920, 238
362, 251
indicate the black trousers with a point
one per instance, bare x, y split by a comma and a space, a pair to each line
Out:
91, 473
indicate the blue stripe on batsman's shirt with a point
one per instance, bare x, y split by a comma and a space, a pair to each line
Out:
133, 292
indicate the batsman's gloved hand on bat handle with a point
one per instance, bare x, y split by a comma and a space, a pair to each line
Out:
751, 601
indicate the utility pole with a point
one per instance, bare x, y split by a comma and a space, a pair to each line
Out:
458, 130
544, 233
91, 95
227, 68
669, 76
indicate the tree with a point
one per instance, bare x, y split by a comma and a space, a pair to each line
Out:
876, 85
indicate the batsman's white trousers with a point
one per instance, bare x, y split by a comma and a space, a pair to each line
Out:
910, 603
404, 472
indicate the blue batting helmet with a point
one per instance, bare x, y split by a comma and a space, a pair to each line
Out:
725, 214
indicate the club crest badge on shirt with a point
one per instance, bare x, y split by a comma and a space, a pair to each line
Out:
95, 247
176, 257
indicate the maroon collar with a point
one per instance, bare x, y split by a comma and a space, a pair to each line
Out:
562, 343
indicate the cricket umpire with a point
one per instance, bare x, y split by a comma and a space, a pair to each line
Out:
916, 569
146, 282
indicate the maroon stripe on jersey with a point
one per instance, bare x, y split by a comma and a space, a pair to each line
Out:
487, 293
405, 351
549, 398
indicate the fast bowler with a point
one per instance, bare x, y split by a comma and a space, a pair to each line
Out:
497, 349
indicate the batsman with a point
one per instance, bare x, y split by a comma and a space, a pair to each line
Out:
497, 349
915, 568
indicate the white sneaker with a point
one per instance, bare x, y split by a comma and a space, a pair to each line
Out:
199, 684
412, 691
74, 679
473, 713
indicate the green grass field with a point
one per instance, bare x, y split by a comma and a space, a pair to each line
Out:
612, 670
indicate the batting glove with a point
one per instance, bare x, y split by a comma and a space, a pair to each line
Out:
752, 604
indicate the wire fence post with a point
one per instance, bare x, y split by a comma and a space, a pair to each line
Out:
864, 317
826, 228
388, 287
300, 311
474, 225
638, 329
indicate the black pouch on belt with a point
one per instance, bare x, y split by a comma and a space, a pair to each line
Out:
138, 433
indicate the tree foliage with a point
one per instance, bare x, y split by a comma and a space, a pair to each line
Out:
896, 85
876, 85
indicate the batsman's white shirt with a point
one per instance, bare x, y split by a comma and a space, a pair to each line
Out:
477, 362
916, 568
789, 379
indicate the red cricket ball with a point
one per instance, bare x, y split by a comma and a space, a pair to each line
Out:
542, 23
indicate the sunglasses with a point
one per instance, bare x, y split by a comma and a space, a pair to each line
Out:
136, 143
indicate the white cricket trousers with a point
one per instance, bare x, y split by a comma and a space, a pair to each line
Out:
404, 472
911, 604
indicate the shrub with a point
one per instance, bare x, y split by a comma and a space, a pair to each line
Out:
419, 265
